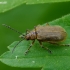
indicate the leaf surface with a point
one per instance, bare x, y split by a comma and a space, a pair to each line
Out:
6, 5
39, 57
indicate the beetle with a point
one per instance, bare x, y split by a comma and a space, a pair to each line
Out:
48, 33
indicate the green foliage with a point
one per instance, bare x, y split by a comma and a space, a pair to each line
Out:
6, 5
37, 56
33, 12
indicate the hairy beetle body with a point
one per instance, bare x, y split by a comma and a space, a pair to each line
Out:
47, 33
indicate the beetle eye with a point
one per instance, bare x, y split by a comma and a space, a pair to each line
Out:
27, 39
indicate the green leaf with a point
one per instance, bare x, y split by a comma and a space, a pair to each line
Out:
6, 5
44, 1
37, 56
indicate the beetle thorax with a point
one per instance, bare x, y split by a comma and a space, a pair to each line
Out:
31, 36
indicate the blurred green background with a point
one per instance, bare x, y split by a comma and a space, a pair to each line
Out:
26, 17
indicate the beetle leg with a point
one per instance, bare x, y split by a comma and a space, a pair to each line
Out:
30, 47
59, 44
63, 44
45, 47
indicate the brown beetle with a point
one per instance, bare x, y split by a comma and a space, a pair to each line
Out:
48, 33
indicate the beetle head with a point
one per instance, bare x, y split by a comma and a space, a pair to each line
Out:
30, 36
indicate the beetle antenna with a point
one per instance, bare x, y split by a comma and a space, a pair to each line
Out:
16, 45
11, 28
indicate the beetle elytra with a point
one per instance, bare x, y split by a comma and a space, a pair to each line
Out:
47, 33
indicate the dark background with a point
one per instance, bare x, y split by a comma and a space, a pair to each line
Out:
26, 17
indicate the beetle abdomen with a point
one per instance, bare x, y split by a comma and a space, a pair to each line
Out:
51, 33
